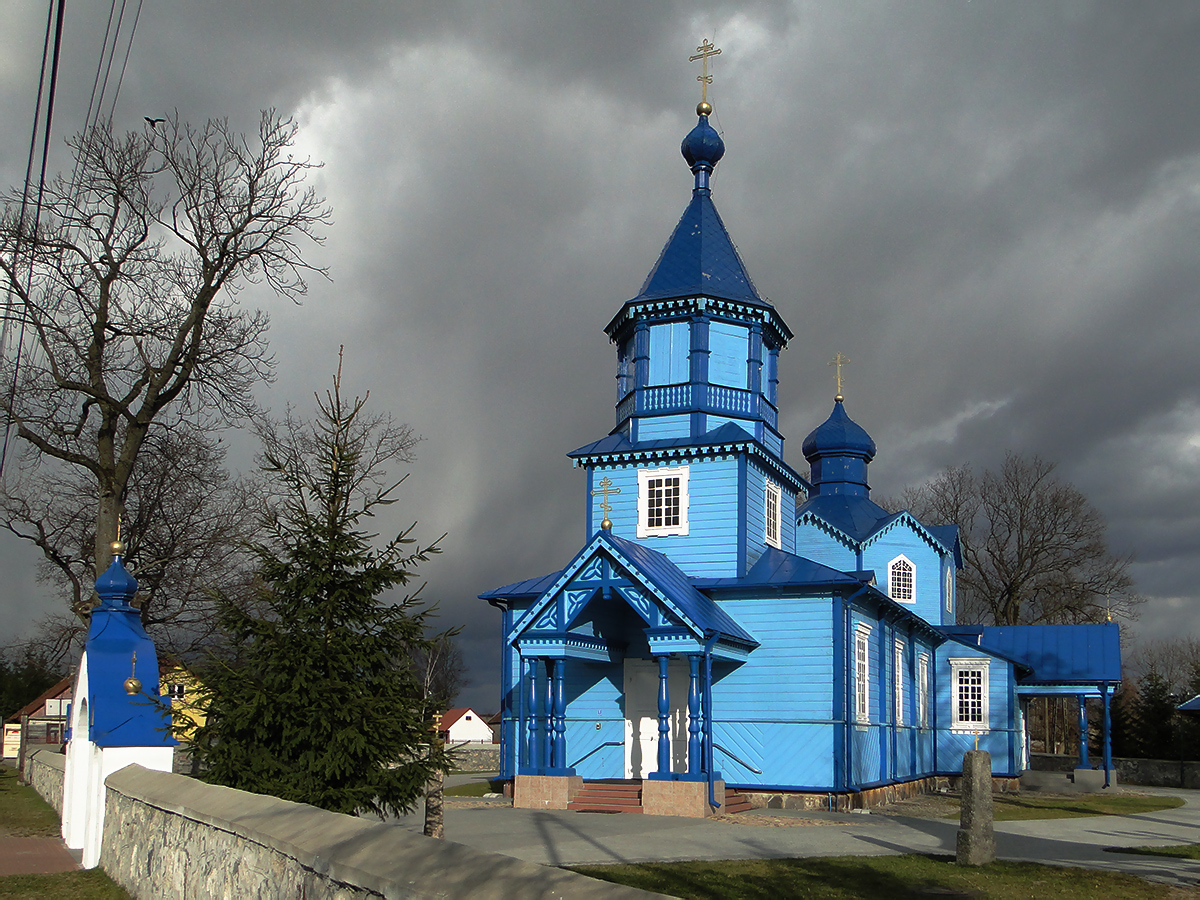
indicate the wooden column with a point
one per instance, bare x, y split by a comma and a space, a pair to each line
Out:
664, 720
1083, 733
694, 762
547, 718
533, 754
559, 758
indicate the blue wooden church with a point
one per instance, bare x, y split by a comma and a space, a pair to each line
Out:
731, 623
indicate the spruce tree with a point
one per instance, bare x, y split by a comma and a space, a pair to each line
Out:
315, 699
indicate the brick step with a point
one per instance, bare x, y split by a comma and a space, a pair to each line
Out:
608, 797
735, 803
603, 808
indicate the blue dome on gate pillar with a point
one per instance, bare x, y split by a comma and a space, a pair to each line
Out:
838, 450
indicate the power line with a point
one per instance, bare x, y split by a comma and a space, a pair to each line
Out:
58, 29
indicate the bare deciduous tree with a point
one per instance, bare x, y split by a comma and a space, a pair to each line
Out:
1034, 547
125, 298
189, 526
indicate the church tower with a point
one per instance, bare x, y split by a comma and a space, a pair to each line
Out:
694, 465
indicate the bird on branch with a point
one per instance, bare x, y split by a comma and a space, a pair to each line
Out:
152, 122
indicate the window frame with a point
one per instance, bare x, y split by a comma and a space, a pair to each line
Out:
959, 668
862, 673
773, 521
898, 649
923, 690
899, 561
948, 587
645, 476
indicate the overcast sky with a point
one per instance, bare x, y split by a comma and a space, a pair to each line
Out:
989, 207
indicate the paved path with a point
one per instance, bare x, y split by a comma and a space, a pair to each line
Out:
34, 856
569, 838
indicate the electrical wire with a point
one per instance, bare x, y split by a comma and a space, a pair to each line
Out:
37, 214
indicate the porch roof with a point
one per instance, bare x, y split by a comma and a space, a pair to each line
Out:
1055, 654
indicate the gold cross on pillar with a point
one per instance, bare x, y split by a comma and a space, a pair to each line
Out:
703, 52
839, 361
606, 488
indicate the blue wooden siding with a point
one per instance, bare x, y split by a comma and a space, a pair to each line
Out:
595, 697
1002, 738
819, 546
899, 540
656, 428
774, 712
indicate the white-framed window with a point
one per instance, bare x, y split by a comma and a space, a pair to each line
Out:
949, 589
923, 690
969, 700
898, 684
902, 580
774, 511
862, 673
662, 501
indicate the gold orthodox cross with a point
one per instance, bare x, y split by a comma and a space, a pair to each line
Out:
839, 361
606, 488
703, 52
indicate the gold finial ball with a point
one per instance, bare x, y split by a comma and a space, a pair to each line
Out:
838, 398
606, 524
703, 108
117, 548
133, 685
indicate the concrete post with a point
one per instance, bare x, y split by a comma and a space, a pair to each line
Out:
976, 845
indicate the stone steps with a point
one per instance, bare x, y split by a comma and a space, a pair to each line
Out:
608, 797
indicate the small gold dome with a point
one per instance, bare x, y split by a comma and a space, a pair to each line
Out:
133, 685
117, 548
703, 108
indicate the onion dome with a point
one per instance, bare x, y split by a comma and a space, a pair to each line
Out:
116, 586
702, 146
838, 451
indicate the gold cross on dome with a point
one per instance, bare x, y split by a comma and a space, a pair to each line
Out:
606, 488
703, 52
839, 361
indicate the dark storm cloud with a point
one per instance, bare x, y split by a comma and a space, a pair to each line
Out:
991, 208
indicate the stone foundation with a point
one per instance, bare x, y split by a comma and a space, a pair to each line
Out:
680, 798
545, 791
869, 798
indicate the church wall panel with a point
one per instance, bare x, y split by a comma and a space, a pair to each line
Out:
814, 544
797, 755
789, 676
928, 587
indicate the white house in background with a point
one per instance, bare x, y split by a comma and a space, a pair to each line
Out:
464, 724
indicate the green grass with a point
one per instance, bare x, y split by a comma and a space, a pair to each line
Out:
90, 885
875, 878
474, 789
1009, 808
1179, 851
22, 812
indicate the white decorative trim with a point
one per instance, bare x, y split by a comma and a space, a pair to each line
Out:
902, 585
948, 588
898, 680
773, 514
670, 499
862, 673
969, 685
923, 690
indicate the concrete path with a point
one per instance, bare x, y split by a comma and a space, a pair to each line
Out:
34, 856
569, 838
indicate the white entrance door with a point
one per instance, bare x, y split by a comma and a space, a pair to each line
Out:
641, 716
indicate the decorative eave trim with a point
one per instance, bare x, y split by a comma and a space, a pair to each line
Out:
904, 516
690, 451
699, 303
810, 517
891, 610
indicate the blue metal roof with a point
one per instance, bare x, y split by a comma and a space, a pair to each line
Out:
529, 588
1063, 654
854, 516
671, 580
778, 568
700, 259
1191, 706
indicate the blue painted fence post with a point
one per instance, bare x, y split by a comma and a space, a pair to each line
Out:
694, 764
560, 717
664, 719
1083, 733
1107, 735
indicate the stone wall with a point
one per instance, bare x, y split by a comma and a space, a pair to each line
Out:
476, 757
1147, 772
44, 770
169, 836
869, 798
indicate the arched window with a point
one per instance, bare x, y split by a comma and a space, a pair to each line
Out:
902, 580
